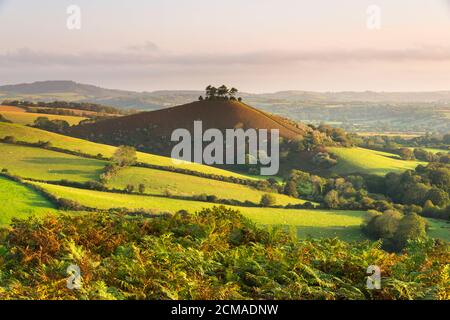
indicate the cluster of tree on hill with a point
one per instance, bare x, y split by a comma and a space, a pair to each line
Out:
56, 125
86, 106
220, 93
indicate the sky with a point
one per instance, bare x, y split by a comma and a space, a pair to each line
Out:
254, 45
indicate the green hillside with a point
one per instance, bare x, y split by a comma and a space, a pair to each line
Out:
42, 164
23, 133
18, 201
360, 160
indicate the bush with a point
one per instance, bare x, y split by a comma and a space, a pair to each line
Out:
268, 200
411, 227
124, 156
141, 188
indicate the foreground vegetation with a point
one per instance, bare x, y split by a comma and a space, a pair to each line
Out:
214, 254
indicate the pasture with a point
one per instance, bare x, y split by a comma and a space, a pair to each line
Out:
42, 164
360, 160
160, 182
306, 223
19, 201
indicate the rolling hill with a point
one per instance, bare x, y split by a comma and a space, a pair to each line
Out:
151, 131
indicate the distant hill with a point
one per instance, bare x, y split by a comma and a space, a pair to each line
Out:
151, 131
368, 111
54, 90
59, 87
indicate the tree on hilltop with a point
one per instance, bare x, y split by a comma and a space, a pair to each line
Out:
213, 93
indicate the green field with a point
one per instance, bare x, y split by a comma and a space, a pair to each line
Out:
37, 163
439, 229
160, 182
314, 223
18, 201
28, 118
359, 160
23, 133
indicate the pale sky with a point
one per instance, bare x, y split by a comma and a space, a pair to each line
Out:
255, 45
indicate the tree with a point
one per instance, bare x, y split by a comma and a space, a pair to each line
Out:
141, 188
437, 196
385, 225
291, 189
211, 92
268, 200
410, 227
200, 98
406, 153
222, 91
44, 123
233, 92
124, 156
332, 199
129, 188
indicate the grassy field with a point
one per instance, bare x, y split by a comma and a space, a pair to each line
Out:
37, 163
439, 229
18, 201
314, 223
158, 182
360, 160
21, 117
23, 133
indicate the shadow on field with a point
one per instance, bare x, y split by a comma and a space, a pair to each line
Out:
64, 161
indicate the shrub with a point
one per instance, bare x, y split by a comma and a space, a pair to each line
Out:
141, 188
268, 200
125, 156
